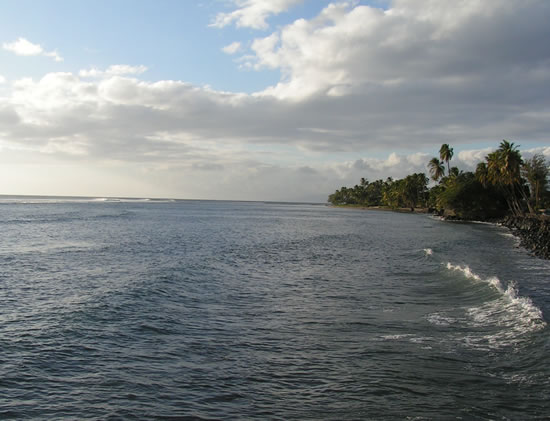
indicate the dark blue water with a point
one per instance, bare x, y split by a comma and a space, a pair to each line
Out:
221, 310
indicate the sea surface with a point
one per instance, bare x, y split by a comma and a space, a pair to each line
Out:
150, 309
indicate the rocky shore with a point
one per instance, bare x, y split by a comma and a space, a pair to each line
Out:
534, 233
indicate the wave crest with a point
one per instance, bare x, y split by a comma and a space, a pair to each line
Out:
510, 314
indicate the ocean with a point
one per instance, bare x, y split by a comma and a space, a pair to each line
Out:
200, 310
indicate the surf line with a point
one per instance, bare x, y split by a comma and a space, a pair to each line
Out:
523, 304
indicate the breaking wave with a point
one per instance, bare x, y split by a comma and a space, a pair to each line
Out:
42, 200
503, 320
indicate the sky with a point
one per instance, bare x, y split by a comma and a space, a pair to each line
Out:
283, 100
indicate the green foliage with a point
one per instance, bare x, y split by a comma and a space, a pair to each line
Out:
408, 192
365, 194
415, 191
469, 199
498, 185
535, 170
482, 174
504, 172
437, 170
446, 154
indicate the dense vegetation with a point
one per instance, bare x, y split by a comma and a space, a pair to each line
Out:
502, 184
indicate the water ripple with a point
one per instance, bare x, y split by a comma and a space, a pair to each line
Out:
209, 311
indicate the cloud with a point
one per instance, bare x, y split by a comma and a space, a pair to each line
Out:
54, 54
471, 157
428, 45
364, 92
2, 79
543, 150
115, 70
394, 165
232, 48
23, 47
253, 13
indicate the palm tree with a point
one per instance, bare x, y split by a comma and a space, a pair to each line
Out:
454, 172
437, 170
481, 174
504, 170
511, 161
535, 170
446, 154
413, 190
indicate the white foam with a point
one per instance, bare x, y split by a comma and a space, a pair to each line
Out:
484, 223
396, 337
39, 200
420, 339
465, 270
428, 251
512, 314
439, 319
507, 234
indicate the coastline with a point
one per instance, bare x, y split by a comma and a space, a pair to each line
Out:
382, 208
532, 231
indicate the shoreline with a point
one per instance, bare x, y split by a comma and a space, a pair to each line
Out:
532, 231
382, 208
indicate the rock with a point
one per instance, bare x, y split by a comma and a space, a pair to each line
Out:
533, 231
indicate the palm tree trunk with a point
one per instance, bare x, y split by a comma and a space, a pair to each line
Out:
526, 199
537, 194
512, 200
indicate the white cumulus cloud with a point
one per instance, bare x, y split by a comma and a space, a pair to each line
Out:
114, 70
232, 48
54, 54
253, 13
471, 157
428, 44
23, 47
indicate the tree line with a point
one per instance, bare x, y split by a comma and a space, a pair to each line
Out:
504, 183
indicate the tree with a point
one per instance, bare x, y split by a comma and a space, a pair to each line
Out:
454, 172
535, 170
446, 154
504, 170
434, 198
498, 184
437, 170
374, 193
414, 190
392, 194
469, 199
481, 174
